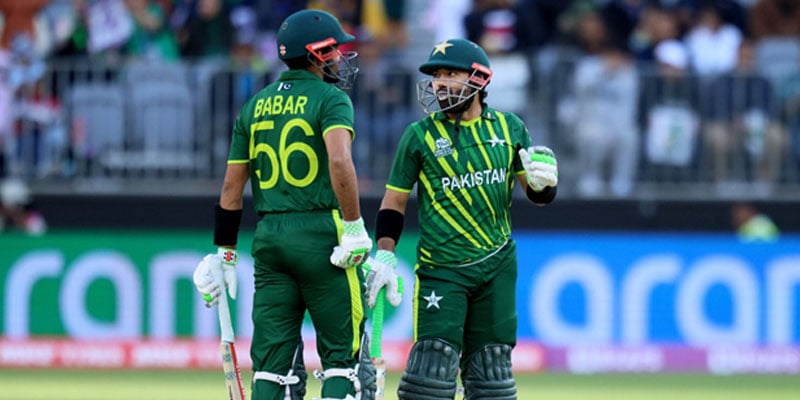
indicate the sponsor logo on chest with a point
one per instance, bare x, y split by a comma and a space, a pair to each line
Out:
474, 179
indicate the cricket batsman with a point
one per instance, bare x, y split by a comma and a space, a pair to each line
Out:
465, 158
292, 141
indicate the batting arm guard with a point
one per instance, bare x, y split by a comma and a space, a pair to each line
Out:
487, 374
431, 372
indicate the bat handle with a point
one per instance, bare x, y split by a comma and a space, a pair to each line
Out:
377, 325
224, 312
375, 349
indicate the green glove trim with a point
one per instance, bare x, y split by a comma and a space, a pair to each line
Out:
543, 158
386, 257
353, 228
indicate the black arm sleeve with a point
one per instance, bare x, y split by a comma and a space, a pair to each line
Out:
389, 223
226, 226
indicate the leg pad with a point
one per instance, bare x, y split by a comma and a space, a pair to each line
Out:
431, 372
487, 374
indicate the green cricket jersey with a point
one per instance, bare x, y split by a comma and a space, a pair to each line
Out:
464, 186
279, 132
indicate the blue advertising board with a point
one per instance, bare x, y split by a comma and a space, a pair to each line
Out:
642, 288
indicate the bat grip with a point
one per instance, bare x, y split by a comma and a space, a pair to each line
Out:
225, 324
377, 325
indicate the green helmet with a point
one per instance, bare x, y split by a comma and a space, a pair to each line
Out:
308, 27
457, 54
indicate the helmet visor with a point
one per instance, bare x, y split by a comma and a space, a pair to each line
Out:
446, 97
346, 69
338, 67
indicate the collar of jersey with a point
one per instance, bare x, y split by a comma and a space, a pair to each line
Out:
488, 113
298, 74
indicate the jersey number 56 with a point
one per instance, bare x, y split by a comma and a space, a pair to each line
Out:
279, 160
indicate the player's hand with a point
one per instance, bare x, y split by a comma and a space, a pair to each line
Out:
226, 260
541, 167
355, 246
380, 273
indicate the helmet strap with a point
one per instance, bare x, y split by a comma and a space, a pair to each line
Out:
459, 111
457, 128
323, 67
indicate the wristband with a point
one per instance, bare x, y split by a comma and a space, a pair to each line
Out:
544, 197
226, 226
389, 223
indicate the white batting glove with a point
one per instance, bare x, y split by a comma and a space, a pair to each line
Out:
380, 273
541, 167
355, 246
204, 281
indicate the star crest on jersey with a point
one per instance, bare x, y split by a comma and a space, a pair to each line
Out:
494, 141
443, 148
433, 300
441, 47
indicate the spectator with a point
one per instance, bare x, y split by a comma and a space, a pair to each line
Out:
100, 27
752, 225
502, 26
789, 108
17, 207
713, 44
207, 31
7, 117
622, 16
450, 27
19, 19
383, 107
396, 30
741, 115
657, 24
507, 33
151, 37
76, 42
270, 13
40, 132
606, 91
551, 13
385, 22
775, 18
669, 102
686, 11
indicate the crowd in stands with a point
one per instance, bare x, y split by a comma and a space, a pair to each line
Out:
656, 90
652, 90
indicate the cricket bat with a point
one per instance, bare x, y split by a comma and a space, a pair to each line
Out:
375, 348
230, 364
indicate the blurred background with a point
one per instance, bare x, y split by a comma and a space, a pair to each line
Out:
672, 246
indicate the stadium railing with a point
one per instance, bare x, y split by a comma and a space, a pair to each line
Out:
164, 129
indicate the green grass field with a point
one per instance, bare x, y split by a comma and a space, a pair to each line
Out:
208, 385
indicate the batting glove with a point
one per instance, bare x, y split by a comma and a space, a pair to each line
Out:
354, 247
540, 166
380, 273
226, 260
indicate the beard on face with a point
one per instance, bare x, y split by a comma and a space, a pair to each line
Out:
447, 97
331, 73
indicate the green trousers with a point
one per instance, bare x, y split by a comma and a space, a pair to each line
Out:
469, 307
293, 275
